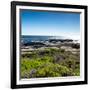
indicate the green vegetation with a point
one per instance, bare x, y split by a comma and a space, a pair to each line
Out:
50, 62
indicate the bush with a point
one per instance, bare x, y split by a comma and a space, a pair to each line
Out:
52, 63
53, 70
62, 50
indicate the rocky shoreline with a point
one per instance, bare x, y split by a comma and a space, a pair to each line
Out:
66, 44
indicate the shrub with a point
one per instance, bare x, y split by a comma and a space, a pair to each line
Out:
51, 63
62, 50
53, 70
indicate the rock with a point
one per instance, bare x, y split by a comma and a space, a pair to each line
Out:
58, 58
32, 73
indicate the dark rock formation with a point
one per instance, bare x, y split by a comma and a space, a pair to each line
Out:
60, 40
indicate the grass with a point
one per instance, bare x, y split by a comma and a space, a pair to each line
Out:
49, 63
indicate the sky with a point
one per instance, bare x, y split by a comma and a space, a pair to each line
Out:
50, 23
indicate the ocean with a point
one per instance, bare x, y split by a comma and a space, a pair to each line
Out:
35, 38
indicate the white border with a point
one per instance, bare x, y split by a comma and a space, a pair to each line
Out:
55, 79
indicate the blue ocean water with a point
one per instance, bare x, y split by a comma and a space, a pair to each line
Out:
32, 38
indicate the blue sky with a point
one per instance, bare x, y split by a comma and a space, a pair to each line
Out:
50, 23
